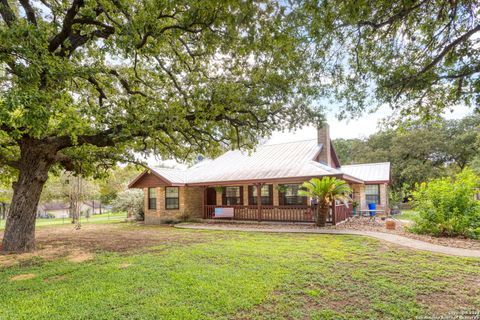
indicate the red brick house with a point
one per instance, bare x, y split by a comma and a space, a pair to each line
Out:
261, 185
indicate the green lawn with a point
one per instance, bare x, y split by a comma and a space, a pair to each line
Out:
234, 275
98, 218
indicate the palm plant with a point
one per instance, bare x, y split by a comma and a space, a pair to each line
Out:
325, 191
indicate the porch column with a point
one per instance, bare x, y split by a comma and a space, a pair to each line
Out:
259, 201
333, 213
245, 195
276, 202
219, 197
204, 201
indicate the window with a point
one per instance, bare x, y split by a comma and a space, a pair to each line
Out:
372, 193
232, 196
291, 196
152, 198
171, 198
265, 194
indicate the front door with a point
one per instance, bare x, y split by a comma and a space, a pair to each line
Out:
211, 197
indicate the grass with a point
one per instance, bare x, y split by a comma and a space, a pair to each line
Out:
235, 275
95, 219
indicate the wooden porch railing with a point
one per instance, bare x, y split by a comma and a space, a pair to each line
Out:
340, 213
297, 213
300, 213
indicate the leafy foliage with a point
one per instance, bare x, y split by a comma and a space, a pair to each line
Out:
420, 57
97, 81
326, 191
418, 152
115, 182
130, 201
447, 206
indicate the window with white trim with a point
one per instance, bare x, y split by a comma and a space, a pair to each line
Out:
152, 198
372, 193
171, 198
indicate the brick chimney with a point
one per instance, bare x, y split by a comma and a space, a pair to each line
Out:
323, 137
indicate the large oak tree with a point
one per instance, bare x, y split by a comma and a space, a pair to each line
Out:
420, 57
87, 83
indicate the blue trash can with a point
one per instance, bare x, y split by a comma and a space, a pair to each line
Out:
372, 207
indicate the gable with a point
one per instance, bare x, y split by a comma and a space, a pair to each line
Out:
148, 179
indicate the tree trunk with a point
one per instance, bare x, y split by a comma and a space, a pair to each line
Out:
33, 168
322, 214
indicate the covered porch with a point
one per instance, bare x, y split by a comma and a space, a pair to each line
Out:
304, 213
266, 201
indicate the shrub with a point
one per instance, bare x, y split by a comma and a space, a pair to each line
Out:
130, 201
447, 206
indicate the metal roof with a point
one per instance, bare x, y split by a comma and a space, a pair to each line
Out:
274, 161
284, 160
171, 174
369, 172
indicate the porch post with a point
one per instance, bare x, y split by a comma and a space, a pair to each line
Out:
259, 201
333, 213
204, 196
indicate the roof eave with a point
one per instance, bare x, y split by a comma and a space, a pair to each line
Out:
272, 180
349, 178
377, 181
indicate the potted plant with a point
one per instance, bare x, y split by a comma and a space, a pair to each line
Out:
355, 205
326, 191
282, 188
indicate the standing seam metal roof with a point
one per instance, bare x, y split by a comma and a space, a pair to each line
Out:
285, 160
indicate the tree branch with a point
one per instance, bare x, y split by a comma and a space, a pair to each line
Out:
448, 48
399, 15
56, 41
29, 11
6, 12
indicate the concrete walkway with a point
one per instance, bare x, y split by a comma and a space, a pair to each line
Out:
389, 237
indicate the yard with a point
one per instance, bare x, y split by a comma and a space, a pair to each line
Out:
97, 218
132, 271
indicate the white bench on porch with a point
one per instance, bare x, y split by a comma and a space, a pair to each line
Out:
223, 213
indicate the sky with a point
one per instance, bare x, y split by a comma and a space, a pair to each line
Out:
349, 129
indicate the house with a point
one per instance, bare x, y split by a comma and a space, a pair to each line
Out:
262, 185
62, 210
56, 209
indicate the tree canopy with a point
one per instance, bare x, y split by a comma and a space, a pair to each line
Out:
420, 57
176, 78
87, 83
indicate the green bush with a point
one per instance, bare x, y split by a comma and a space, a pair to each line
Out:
447, 206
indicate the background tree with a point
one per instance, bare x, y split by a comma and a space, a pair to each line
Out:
115, 182
85, 84
420, 57
71, 189
462, 137
419, 151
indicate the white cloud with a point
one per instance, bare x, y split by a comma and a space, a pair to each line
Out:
349, 129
